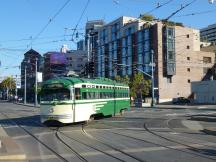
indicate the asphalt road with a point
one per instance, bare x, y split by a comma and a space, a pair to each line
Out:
145, 135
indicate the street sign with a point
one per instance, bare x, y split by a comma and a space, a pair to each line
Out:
18, 85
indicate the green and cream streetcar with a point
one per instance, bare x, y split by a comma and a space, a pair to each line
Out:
70, 100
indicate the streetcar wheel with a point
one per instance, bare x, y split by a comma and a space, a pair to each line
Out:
90, 119
122, 112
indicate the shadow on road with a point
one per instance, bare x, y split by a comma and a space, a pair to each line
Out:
205, 118
209, 152
209, 132
33, 121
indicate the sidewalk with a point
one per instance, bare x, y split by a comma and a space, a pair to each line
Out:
29, 105
194, 106
170, 106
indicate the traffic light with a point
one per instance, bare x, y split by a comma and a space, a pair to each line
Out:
91, 67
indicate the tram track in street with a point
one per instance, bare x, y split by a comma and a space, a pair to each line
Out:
193, 150
104, 152
60, 157
59, 134
177, 131
55, 131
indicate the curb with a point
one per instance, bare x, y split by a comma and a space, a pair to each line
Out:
27, 105
210, 131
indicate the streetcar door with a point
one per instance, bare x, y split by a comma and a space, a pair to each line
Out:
73, 102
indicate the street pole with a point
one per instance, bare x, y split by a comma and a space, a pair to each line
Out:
25, 87
152, 64
152, 77
16, 97
36, 103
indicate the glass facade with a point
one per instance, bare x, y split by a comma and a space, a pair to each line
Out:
134, 47
143, 51
169, 51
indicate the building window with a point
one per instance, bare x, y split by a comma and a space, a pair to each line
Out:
169, 79
188, 58
188, 47
188, 69
189, 80
207, 60
188, 36
170, 55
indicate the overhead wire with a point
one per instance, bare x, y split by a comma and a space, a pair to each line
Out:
50, 20
80, 18
159, 6
197, 13
182, 7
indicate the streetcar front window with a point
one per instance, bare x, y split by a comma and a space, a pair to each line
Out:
55, 95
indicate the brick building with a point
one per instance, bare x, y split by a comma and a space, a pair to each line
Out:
29, 62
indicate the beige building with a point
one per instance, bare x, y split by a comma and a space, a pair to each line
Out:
191, 64
176, 51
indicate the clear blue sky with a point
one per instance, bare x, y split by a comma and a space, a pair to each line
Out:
22, 19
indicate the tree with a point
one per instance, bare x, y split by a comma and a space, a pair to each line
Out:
147, 17
118, 78
125, 80
9, 84
139, 86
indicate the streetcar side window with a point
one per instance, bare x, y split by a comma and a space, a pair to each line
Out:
84, 96
77, 94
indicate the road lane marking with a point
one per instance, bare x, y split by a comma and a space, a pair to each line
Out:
3, 133
13, 157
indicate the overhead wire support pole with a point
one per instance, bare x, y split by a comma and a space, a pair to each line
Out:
25, 88
152, 77
152, 64
36, 102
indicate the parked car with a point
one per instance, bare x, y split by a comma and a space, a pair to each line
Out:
180, 100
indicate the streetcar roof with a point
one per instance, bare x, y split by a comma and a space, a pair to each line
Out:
67, 81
